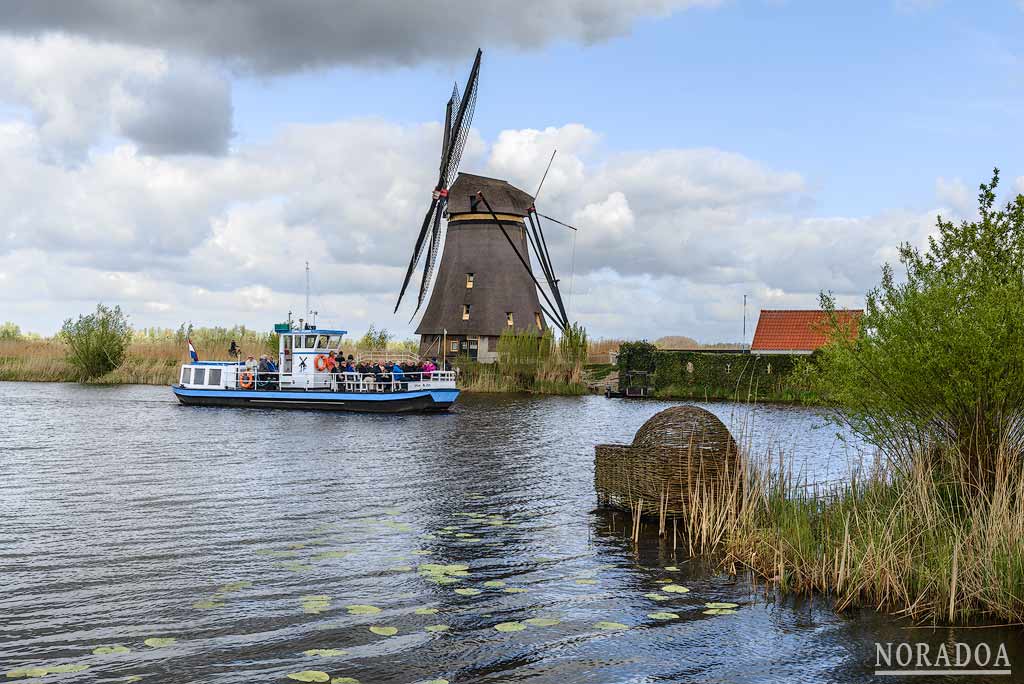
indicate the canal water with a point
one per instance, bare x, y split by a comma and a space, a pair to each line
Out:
157, 543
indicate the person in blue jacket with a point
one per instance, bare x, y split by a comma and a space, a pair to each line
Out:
396, 375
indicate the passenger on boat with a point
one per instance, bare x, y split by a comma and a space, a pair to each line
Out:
428, 368
349, 367
396, 375
250, 363
331, 363
263, 376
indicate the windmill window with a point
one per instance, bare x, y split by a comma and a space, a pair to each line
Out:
465, 312
536, 319
469, 281
508, 319
473, 200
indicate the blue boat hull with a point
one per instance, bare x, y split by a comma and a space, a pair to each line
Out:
421, 401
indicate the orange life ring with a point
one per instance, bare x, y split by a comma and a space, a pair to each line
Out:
320, 362
245, 380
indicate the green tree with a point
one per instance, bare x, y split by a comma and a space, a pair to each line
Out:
937, 368
10, 332
97, 343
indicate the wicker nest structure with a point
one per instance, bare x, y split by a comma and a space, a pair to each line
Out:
677, 455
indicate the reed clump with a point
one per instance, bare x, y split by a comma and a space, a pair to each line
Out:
528, 362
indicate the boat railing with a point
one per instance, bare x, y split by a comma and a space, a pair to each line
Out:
254, 379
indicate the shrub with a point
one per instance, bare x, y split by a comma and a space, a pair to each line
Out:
937, 368
96, 343
9, 332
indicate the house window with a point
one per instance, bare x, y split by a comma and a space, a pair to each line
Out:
508, 319
465, 312
536, 319
454, 347
469, 281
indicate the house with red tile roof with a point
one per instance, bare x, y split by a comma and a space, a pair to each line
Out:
798, 331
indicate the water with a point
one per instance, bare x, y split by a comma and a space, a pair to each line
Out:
121, 511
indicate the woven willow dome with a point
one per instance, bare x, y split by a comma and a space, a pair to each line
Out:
679, 452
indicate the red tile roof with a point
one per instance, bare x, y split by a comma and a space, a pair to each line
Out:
798, 330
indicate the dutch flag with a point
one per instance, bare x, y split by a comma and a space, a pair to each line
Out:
192, 352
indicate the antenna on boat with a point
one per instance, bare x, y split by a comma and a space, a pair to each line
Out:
307, 288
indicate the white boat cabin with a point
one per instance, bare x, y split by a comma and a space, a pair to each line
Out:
301, 365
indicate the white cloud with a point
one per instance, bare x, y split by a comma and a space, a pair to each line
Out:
954, 194
79, 92
669, 240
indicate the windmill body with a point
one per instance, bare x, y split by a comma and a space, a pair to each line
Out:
485, 283
481, 289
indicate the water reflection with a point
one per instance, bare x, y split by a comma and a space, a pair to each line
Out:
244, 536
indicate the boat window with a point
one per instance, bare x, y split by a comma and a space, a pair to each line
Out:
334, 342
321, 342
287, 343
199, 376
310, 342
186, 376
214, 378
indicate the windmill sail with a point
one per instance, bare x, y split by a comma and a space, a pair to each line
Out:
455, 135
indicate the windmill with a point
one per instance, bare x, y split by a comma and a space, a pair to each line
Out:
485, 280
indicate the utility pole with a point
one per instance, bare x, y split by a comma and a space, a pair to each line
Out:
744, 319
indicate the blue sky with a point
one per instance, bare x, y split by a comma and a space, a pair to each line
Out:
187, 166
870, 101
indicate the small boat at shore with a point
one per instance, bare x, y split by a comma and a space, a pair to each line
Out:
302, 381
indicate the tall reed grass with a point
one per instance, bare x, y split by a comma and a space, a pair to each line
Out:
528, 362
921, 543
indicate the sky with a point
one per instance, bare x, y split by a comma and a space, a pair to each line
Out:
184, 160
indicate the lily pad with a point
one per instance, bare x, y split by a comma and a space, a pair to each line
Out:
663, 616
516, 590
421, 552
325, 652
401, 568
467, 591
235, 586
671, 568
720, 604
610, 626
675, 589
425, 611
464, 535
657, 597
344, 680
206, 605
383, 630
586, 581
360, 609
436, 681
510, 626
437, 628
494, 584
719, 611
110, 650
315, 605
160, 642
542, 621
327, 555
60, 669
310, 676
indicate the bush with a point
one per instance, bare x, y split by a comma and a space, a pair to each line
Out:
9, 332
937, 368
96, 343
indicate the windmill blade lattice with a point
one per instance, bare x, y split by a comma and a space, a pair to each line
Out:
455, 135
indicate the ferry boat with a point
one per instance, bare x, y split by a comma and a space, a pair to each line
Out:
303, 383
